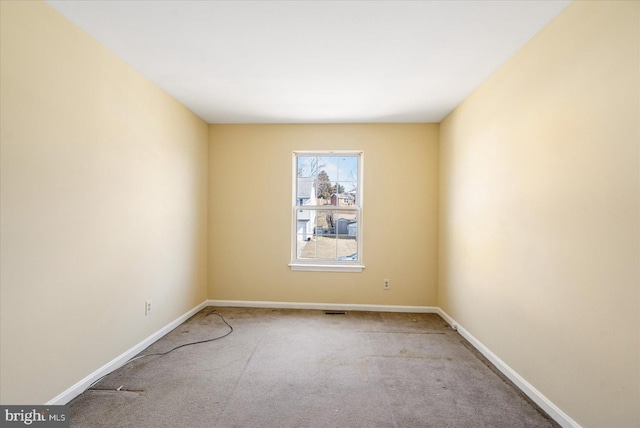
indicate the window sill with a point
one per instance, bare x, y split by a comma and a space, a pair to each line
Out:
325, 268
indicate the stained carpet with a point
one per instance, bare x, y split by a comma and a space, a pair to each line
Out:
304, 368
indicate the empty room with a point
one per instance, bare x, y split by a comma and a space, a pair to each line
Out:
320, 213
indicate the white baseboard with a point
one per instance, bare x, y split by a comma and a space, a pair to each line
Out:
119, 361
323, 306
545, 404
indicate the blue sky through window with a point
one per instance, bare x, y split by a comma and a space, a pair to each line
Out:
342, 171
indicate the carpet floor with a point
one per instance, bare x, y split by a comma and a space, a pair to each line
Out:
305, 368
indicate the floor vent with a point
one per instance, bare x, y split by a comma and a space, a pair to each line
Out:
335, 313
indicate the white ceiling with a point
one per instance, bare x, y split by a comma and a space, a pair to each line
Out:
314, 61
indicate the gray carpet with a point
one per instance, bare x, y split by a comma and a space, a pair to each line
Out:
304, 368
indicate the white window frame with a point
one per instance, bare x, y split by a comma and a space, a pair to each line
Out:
327, 265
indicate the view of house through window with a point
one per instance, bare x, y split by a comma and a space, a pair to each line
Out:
327, 204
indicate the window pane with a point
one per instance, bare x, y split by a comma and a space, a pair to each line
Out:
305, 222
347, 247
326, 247
328, 164
305, 191
307, 166
306, 249
346, 228
342, 219
324, 188
347, 168
345, 194
324, 223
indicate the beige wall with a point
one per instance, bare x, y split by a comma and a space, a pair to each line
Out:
104, 187
250, 211
539, 213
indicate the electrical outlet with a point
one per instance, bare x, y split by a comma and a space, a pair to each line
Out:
386, 284
147, 307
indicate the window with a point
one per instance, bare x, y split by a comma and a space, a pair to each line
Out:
327, 211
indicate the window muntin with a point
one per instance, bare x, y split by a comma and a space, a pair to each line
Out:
327, 207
